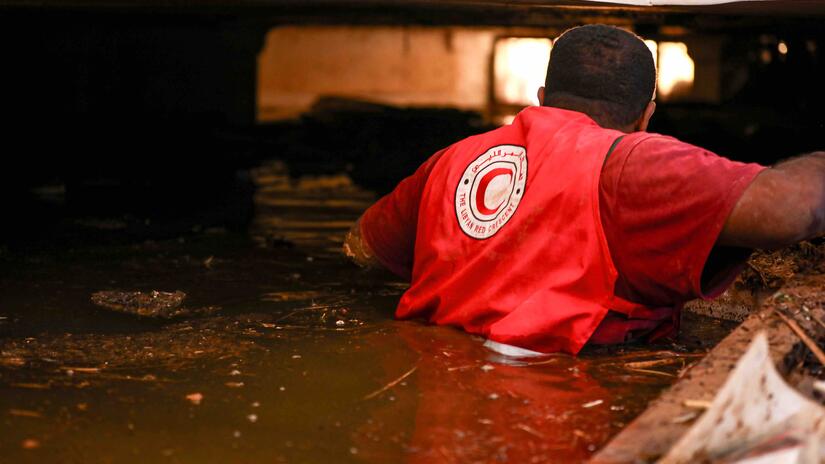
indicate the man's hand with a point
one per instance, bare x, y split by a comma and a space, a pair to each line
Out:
783, 205
357, 249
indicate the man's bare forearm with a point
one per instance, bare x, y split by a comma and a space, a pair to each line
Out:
806, 206
784, 205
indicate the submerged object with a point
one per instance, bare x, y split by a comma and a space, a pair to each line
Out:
156, 304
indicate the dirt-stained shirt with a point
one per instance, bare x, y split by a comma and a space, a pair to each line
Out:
662, 204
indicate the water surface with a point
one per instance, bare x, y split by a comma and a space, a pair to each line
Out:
303, 363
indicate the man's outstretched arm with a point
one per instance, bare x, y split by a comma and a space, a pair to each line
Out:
384, 236
783, 205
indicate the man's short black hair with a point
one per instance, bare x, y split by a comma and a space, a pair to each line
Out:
603, 71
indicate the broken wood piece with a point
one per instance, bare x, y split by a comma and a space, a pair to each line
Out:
654, 372
654, 363
754, 408
697, 404
592, 403
461, 368
391, 384
530, 430
820, 356
635, 442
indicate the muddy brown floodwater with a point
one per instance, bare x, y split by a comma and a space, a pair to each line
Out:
302, 362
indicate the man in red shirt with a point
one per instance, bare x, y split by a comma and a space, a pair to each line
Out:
574, 225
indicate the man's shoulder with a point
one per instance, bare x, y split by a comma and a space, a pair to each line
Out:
652, 141
646, 148
644, 159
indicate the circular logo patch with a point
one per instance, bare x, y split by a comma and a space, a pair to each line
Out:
490, 190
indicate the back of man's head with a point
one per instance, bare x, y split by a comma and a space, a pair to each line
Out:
603, 71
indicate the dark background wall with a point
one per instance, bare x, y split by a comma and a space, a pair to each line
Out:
130, 113
150, 111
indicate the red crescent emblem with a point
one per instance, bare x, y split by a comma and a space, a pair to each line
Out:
482, 190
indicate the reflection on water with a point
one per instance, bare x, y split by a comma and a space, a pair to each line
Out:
303, 363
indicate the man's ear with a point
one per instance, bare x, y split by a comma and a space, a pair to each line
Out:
540, 95
644, 119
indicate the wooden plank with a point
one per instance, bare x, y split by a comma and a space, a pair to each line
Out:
653, 433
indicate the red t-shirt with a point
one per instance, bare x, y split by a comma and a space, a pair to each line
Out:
663, 204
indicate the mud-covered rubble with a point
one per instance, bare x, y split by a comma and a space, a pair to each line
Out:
53, 360
796, 281
793, 282
765, 272
787, 288
769, 270
163, 305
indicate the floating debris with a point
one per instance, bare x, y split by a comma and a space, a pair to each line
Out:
30, 443
32, 386
772, 269
530, 430
292, 295
697, 404
195, 398
82, 370
25, 413
654, 363
592, 403
654, 372
163, 305
391, 384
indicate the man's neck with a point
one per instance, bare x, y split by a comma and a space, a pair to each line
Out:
586, 106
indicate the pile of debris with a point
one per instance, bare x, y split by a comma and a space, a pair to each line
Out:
770, 270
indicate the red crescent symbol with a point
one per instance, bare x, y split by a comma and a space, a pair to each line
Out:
482, 190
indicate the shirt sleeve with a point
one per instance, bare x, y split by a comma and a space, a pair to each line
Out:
389, 226
663, 205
